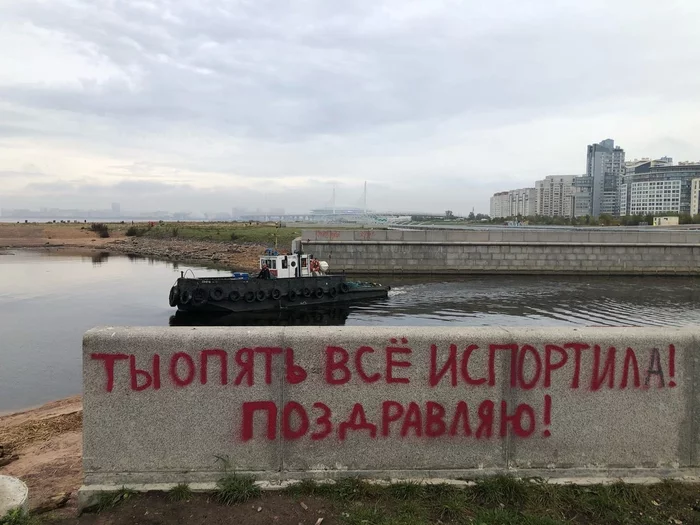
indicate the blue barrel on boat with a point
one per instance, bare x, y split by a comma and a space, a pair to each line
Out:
240, 275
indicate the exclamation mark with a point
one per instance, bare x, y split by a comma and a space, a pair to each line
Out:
671, 365
547, 414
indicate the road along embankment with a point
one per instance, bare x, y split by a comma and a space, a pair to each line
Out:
509, 251
170, 405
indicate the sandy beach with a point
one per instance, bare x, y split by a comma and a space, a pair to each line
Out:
78, 237
43, 447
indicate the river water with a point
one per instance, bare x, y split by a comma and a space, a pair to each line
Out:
49, 299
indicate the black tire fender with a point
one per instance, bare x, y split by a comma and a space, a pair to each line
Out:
261, 295
174, 297
249, 296
319, 292
276, 294
344, 288
292, 295
234, 296
200, 296
332, 291
217, 294
185, 296
306, 292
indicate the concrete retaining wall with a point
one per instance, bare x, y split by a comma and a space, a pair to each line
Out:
161, 404
507, 251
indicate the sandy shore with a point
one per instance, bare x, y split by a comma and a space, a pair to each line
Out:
223, 255
43, 447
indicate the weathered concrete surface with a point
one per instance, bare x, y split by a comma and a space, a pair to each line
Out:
520, 251
13, 495
553, 402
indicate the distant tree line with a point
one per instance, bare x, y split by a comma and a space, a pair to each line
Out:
587, 220
602, 220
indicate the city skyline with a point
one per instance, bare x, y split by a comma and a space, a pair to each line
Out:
437, 105
611, 186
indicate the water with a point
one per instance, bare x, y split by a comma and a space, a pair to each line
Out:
49, 299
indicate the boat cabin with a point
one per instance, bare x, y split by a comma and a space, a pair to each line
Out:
287, 266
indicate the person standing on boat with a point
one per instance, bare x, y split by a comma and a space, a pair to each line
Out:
264, 272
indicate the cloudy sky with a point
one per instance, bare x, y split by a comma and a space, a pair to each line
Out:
210, 104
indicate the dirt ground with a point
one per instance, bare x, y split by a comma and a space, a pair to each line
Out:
36, 234
47, 442
155, 509
69, 237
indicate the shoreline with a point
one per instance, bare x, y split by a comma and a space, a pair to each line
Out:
211, 254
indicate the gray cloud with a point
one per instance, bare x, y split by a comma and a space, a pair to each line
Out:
380, 90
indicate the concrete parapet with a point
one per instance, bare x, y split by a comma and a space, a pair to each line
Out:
162, 405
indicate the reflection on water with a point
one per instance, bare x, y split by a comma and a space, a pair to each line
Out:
297, 317
49, 299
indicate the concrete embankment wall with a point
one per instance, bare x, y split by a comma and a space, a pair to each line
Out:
162, 404
507, 251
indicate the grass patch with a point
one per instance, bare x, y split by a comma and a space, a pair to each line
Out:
497, 500
344, 489
241, 233
510, 517
500, 490
507, 500
100, 229
135, 231
405, 491
366, 515
108, 500
181, 492
236, 489
17, 517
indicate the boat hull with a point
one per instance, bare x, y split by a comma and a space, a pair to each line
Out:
224, 294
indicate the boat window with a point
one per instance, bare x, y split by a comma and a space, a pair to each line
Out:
303, 262
274, 264
284, 264
293, 264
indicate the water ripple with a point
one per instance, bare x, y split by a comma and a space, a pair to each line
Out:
523, 301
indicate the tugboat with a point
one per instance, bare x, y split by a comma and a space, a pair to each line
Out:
285, 281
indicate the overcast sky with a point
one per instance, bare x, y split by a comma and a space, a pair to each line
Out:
210, 104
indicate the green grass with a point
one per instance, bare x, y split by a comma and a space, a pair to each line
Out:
502, 500
236, 489
499, 500
220, 232
17, 517
181, 492
108, 500
500, 490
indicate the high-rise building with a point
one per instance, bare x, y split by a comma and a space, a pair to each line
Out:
581, 196
605, 165
513, 203
695, 197
633, 167
660, 189
499, 207
555, 195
